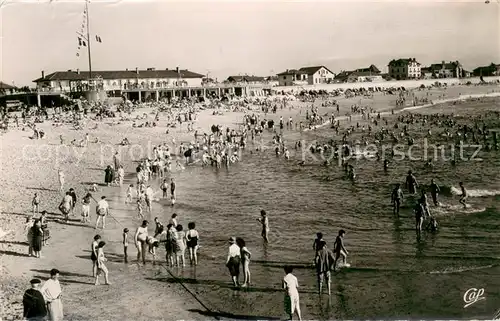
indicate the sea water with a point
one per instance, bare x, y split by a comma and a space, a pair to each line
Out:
393, 273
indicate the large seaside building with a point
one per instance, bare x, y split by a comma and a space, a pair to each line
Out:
486, 71
451, 69
306, 76
405, 68
76, 80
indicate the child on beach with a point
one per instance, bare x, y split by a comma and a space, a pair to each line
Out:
180, 245
265, 225
125, 244
35, 202
128, 199
317, 241
140, 215
164, 188
290, 285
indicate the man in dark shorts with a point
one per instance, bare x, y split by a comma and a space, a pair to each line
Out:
324, 262
73, 196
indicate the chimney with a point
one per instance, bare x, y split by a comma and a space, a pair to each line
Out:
43, 74
136, 70
78, 71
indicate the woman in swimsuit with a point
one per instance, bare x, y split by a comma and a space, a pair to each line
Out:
140, 238
192, 239
245, 260
93, 254
180, 245
101, 267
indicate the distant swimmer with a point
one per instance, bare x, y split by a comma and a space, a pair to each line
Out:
434, 192
396, 198
411, 183
463, 197
339, 249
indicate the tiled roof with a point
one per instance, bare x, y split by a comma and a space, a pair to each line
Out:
313, 70
119, 74
6, 86
402, 61
446, 66
292, 72
245, 78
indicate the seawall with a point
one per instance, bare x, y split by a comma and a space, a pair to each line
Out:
387, 84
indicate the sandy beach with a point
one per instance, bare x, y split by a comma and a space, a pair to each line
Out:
30, 166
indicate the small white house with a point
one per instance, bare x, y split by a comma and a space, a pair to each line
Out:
318, 75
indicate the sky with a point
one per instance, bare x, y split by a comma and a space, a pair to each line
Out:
223, 38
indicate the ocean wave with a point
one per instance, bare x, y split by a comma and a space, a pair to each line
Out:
462, 269
474, 192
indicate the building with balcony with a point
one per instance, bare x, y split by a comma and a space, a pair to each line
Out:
405, 68
119, 80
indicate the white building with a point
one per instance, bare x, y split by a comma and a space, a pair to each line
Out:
71, 81
318, 75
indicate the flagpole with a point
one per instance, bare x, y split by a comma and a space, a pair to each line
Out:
88, 39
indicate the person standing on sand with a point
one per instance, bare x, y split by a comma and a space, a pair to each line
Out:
102, 209
411, 183
101, 267
52, 293
93, 254
290, 285
28, 229
116, 161
339, 249
108, 175
172, 191
86, 207
233, 261
140, 238
74, 199
34, 306
35, 203
125, 244
120, 175
264, 220
37, 238
61, 180
66, 205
